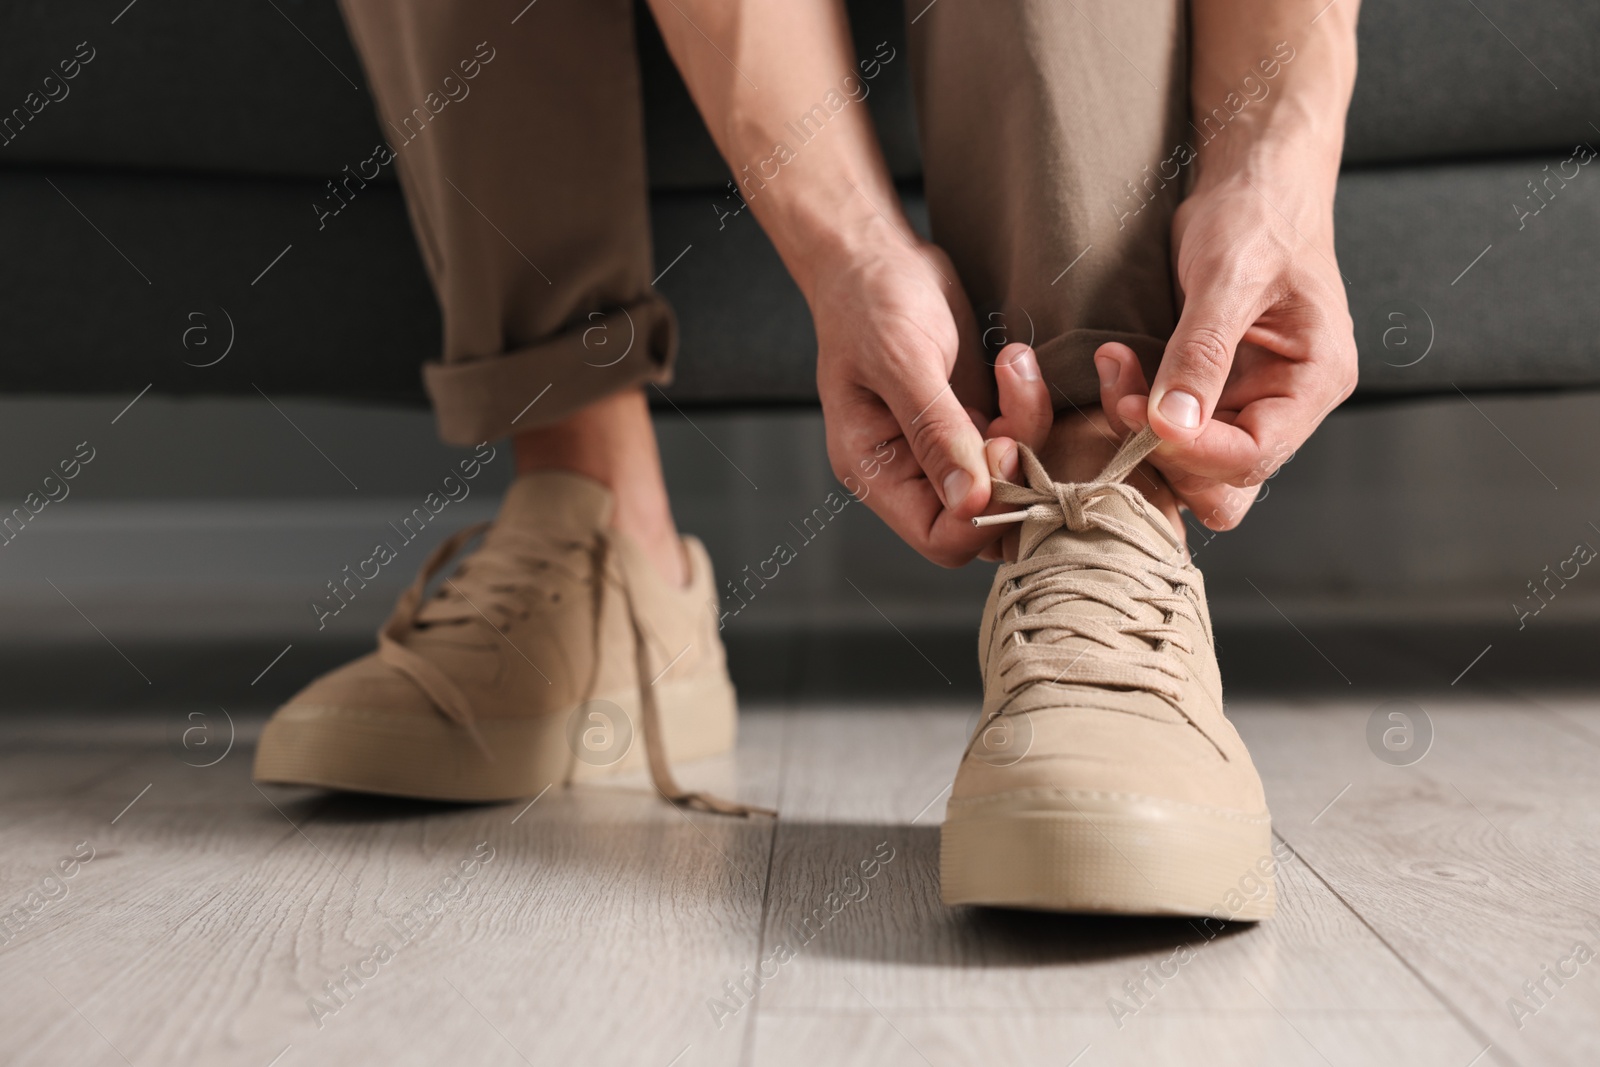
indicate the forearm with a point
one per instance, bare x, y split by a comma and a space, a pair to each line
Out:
1270, 88
784, 98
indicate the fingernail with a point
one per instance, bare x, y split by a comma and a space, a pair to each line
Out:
1008, 464
1107, 369
1025, 365
994, 454
1135, 411
1180, 408
956, 485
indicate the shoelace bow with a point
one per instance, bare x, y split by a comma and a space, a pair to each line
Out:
1128, 648
505, 575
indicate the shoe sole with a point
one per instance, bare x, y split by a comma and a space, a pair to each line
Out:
1100, 853
432, 758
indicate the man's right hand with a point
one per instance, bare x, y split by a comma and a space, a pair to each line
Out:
898, 362
891, 317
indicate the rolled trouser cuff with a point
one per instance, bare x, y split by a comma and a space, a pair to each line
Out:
1067, 363
540, 384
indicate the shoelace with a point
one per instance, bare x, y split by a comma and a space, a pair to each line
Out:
512, 568
1128, 648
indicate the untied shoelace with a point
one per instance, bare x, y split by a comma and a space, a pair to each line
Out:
511, 560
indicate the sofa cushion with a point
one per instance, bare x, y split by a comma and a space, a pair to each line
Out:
276, 89
1448, 288
185, 85
1443, 79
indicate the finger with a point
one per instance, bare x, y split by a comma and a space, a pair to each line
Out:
1224, 453
1277, 424
1219, 506
1194, 367
972, 380
1202, 494
864, 443
1005, 464
903, 498
979, 420
1121, 378
1267, 412
1026, 413
1002, 458
972, 375
946, 444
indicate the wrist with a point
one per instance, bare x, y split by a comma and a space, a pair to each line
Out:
1295, 171
1287, 137
822, 241
826, 202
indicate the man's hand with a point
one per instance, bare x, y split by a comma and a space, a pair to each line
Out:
1264, 349
1264, 346
898, 361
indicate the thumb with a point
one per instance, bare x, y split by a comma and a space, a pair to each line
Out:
947, 445
1195, 366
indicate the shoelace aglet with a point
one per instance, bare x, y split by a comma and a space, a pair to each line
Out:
1039, 511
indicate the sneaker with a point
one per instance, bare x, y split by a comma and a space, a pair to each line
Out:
553, 653
1103, 776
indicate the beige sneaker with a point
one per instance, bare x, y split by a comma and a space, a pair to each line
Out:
1103, 776
555, 652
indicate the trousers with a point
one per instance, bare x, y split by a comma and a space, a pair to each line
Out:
1043, 126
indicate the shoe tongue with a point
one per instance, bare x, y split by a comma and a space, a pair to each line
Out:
558, 501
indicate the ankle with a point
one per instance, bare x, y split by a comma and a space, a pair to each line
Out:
652, 528
613, 442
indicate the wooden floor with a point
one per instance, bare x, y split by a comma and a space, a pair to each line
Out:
601, 926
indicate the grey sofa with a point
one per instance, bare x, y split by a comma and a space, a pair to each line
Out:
183, 158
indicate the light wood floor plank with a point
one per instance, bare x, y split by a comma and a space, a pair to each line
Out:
207, 920
1037, 984
1574, 715
869, 1039
611, 928
1479, 864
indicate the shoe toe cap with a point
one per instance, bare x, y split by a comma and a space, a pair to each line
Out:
1066, 752
363, 685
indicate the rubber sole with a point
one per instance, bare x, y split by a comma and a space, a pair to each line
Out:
1106, 853
432, 758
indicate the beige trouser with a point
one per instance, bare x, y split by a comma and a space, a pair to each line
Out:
1047, 130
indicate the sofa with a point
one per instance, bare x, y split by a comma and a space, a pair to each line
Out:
158, 207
